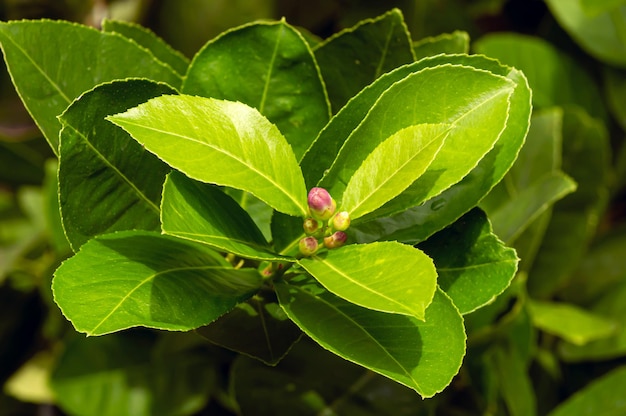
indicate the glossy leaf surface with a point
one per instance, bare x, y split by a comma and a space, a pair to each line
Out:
421, 355
270, 67
204, 213
103, 171
149, 40
220, 142
387, 277
355, 57
47, 84
473, 265
392, 167
134, 278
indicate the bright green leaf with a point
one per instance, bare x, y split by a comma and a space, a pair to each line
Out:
473, 265
424, 356
387, 276
355, 57
270, 67
203, 213
604, 396
570, 322
456, 42
149, 40
102, 170
53, 62
394, 165
257, 328
135, 278
221, 142
601, 35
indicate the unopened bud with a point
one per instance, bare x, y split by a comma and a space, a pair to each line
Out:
311, 226
341, 221
321, 204
308, 246
336, 240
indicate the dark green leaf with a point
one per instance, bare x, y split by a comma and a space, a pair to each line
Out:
220, 142
514, 382
53, 62
386, 276
473, 265
149, 40
421, 355
107, 181
456, 42
134, 278
203, 213
268, 66
257, 328
355, 57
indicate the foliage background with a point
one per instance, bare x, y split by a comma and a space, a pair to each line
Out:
589, 276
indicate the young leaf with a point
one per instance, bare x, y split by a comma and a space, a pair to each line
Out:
102, 170
203, 213
355, 57
270, 67
394, 165
473, 265
74, 59
149, 40
135, 278
258, 328
387, 277
221, 142
421, 355
417, 223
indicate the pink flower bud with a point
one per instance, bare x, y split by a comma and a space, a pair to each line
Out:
308, 246
321, 204
336, 240
341, 221
311, 226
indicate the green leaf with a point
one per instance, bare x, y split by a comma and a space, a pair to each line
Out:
554, 77
392, 167
512, 218
473, 102
287, 232
570, 322
604, 396
203, 213
124, 375
270, 67
257, 328
601, 35
259, 211
221, 142
615, 92
514, 382
416, 224
355, 57
593, 7
74, 58
473, 265
146, 279
103, 171
456, 42
149, 40
387, 276
421, 355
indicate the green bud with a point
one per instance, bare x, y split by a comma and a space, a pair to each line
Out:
311, 226
308, 246
341, 221
321, 204
336, 240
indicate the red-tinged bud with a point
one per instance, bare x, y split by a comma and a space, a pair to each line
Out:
341, 221
308, 246
311, 226
321, 204
336, 240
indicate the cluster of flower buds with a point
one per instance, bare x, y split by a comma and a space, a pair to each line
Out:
323, 223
